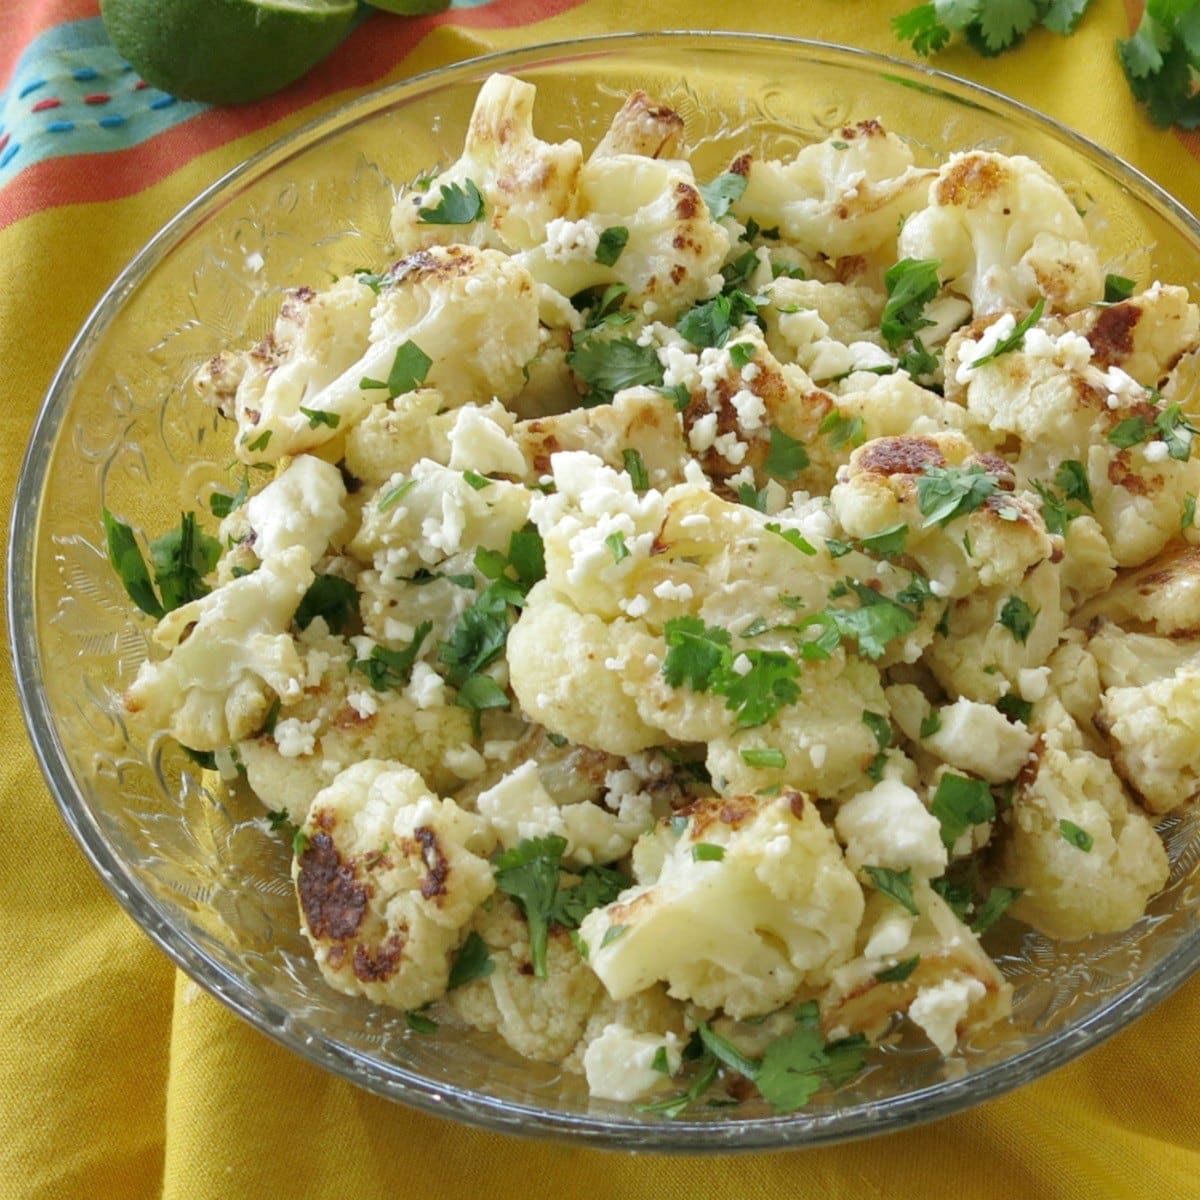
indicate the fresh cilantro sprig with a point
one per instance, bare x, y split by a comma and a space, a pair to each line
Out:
458, 206
896, 885
944, 493
959, 803
606, 365
181, 558
711, 322
722, 192
331, 597
1161, 59
1016, 339
911, 284
388, 670
990, 26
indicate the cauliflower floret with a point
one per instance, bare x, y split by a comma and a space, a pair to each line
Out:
542, 1019
1145, 335
520, 807
895, 406
743, 926
980, 739
643, 127
303, 506
226, 650
982, 654
524, 183
395, 437
388, 879
481, 441
340, 719
558, 670
996, 544
889, 826
1005, 232
674, 250
840, 197
1085, 858
316, 337
620, 1063
1161, 597
1132, 660
434, 514
952, 989
1153, 732
826, 328
1088, 566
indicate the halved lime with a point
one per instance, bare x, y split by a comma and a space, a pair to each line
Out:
225, 51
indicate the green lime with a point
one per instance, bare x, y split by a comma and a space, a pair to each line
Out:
225, 51
411, 8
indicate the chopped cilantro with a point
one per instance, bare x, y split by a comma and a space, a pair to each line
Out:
418, 1022
787, 270
260, 442
608, 365
1016, 339
896, 885
900, 972
635, 468
759, 694
875, 623
1130, 432
916, 592
930, 724
959, 803
1187, 518
527, 556
1015, 708
222, 504
679, 396
711, 322
1018, 618
695, 652
317, 416
1177, 431
479, 636
795, 1065
736, 273
127, 561
998, 900
786, 457
1117, 288
751, 497
767, 757
1079, 838
842, 429
331, 597
793, 537
876, 766
611, 934
472, 961
616, 543
1055, 513
396, 494
707, 852
741, 354
390, 669
476, 481
481, 692
180, 557
529, 874
1072, 481
911, 284
944, 493
409, 369
887, 543
722, 192
458, 206
880, 726
612, 242
659, 1062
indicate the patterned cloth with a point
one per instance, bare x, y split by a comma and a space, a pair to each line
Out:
119, 1078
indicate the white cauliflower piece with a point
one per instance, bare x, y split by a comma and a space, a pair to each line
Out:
825, 328
1004, 232
980, 739
642, 126
743, 926
895, 406
952, 989
303, 506
481, 442
1153, 733
226, 650
1071, 800
388, 880
1161, 597
519, 807
542, 1019
889, 826
840, 197
524, 183
395, 437
673, 254
619, 1063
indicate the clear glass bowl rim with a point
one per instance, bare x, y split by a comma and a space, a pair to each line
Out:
389, 1079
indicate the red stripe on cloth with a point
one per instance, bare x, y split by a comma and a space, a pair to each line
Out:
368, 54
21, 23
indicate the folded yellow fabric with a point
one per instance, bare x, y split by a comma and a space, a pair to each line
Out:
120, 1078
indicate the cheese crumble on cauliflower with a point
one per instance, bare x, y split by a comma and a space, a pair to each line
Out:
675, 616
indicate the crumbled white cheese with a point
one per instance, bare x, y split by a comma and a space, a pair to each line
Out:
668, 590
295, 738
941, 1008
567, 240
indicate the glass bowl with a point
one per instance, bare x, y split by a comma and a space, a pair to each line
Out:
119, 429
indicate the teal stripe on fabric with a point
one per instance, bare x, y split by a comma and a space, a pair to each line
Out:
72, 93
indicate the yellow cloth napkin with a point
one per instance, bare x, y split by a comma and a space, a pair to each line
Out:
120, 1078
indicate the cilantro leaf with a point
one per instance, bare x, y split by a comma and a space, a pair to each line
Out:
221, 504
1072, 480
481, 692
635, 468
1018, 618
331, 597
1003, 22
597, 887
608, 365
529, 874
1061, 16
1015, 708
458, 206
794, 1066
722, 192
842, 429
875, 623
1130, 432
479, 636
921, 28
911, 284
409, 369
1079, 838
1016, 339
527, 556
707, 852
959, 803
761, 692
998, 900
793, 537
711, 322
944, 493
1177, 431
612, 242
616, 543
472, 961
786, 457
896, 885
127, 561
1117, 288
695, 652
391, 669
181, 558
766, 757
318, 416
887, 543
880, 726
900, 972
1188, 517
930, 724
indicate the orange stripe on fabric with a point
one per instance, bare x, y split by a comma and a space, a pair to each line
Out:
1188, 139
367, 55
21, 23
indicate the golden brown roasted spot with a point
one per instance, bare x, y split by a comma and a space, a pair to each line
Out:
901, 456
708, 811
1111, 338
437, 866
970, 181
382, 964
332, 901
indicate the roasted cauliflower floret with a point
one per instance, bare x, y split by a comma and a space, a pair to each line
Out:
301, 507
643, 127
1153, 732
951, 990
229, 651
840, 197
1085, 858
542, 1019
889, 826
1161, 597
966, 527
522, 183
395, 437
673, 250
388, 878
742, 926
1004, 233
